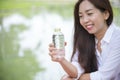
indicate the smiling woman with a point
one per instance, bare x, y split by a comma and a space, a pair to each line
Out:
96, 48
91, 17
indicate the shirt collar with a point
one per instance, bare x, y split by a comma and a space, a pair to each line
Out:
107, 36
108, 33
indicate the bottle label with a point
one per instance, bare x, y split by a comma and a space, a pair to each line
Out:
58, 41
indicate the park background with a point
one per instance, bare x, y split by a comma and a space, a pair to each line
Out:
26, 28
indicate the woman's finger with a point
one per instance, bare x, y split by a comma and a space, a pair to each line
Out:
65, 43
51, 45
52, 49
52, 53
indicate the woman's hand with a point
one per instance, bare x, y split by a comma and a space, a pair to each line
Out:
55, 53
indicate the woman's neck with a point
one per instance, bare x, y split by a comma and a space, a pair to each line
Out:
101, 34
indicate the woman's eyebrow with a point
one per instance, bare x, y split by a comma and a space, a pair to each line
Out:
86, 11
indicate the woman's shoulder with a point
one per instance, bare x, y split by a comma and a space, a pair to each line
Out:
115, 28
116, 33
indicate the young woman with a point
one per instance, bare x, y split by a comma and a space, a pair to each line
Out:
96, 50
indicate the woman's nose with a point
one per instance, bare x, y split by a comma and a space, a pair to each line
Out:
85, 19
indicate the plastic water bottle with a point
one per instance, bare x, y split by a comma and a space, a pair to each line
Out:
58, 40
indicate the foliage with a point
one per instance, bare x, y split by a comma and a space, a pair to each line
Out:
12, 65
116, 11
31, 7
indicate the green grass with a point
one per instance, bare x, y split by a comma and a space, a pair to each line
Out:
28, 8
116, 12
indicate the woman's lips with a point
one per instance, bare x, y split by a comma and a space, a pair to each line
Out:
89, 27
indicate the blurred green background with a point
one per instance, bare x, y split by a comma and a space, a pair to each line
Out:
19, 63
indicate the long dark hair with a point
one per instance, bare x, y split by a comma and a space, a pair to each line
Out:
84, 42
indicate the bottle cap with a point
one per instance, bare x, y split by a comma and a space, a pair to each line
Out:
57, 29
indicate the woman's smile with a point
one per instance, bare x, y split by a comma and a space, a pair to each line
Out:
89, 27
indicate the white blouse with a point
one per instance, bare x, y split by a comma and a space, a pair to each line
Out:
108, 59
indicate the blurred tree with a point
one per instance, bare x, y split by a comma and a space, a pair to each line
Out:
13, 66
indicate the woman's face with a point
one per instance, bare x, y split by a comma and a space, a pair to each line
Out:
91, 18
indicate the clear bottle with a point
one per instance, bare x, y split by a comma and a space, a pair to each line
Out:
58, 40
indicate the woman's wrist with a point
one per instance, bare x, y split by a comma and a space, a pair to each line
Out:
62, 60
85, 76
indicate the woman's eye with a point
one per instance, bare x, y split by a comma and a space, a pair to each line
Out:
90, 14
80, 16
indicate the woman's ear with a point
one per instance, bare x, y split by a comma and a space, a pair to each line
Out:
106, 14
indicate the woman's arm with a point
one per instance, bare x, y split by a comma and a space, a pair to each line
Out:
85, 76
73, 69
69, 68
